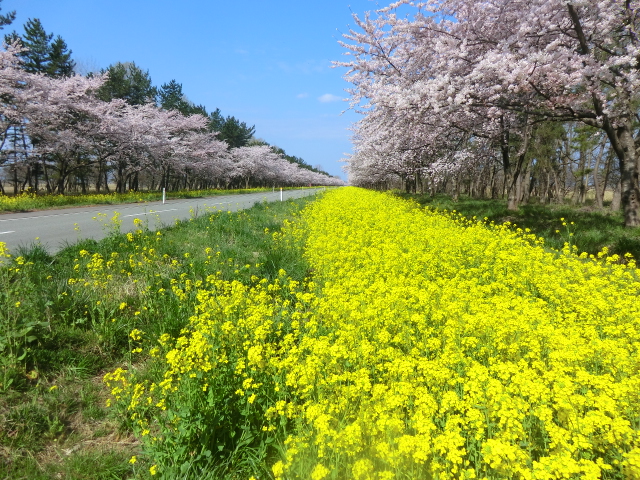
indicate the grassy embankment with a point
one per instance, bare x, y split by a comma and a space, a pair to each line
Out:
586, 227
29, 201
67, 319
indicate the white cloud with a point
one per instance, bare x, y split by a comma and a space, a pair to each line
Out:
302, 95
329, 97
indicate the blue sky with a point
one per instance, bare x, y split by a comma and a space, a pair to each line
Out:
267, 63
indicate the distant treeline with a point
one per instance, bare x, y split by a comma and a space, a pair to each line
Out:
61, 131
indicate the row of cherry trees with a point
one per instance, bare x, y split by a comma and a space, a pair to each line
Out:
56, 134
462, 92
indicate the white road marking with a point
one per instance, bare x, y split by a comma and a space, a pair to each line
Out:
149, 213
12, 231
75, 213
41, 216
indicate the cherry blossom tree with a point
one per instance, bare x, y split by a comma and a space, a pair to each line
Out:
60, 119
70, 133
12, 98
512, 63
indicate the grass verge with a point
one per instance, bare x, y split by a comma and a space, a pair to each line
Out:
67, 319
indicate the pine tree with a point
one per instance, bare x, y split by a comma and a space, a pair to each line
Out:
41, 53
37, 44
172, 98
230, 129
7, 19
236, 133
60, 63
198, 110
128, 82
216, 121
12, 38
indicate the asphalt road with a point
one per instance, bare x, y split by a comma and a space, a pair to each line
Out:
55, 229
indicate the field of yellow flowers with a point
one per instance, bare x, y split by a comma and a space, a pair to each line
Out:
422, 345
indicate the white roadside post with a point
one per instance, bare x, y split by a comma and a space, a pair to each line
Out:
281, 194
164, 196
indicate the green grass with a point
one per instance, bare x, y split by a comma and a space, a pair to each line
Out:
57, 343
98, 463
592, 229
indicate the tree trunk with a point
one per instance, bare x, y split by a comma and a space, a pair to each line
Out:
617, 198
558, 189
578, 176
46, 176
513, 169
16, 182
27, 179
36, 175
456, 187
513, 178
630, 193
547, 191
599, 188
607, 171
120, 181
83, 184
527, 183
62, 177
493, 182
623, 144
99, 176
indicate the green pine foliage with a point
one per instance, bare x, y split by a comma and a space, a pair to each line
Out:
128, 82
60, 62
6, 19
42, 53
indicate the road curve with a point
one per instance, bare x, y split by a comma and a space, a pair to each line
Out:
55, 229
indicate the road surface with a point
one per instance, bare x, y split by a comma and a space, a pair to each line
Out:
55, 229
